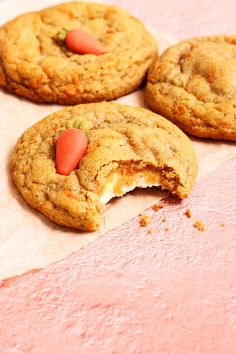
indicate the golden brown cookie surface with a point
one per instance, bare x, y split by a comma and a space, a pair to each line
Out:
194, 85
128, 147
35, 64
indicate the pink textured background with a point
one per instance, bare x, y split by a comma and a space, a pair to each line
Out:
173, 291
186, 18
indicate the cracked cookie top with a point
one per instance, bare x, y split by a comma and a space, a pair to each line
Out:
128, 147
194, 85
34, 63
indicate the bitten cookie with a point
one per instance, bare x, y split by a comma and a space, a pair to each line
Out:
194, 85
37, 64
128, 147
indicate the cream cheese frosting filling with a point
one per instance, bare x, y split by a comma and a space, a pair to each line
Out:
124, 181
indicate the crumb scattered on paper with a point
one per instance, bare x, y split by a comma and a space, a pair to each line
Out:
150, 232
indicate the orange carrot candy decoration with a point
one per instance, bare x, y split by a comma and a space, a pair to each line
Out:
81, 42
71, 146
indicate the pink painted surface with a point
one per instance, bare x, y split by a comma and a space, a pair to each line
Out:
131, 292
184, 19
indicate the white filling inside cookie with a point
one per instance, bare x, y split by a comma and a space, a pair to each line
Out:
117, 185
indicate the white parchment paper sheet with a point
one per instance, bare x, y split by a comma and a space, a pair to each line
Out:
29, 240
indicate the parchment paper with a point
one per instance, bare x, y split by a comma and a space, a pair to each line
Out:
28, 240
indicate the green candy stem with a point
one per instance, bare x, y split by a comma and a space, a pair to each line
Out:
62, 34
79, 123
69, 124
85, 126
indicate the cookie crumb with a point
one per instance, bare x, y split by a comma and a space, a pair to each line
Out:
166, 229
149, 232
188, 213
199, 225
163, 220
144, 220
222, 225
157, 207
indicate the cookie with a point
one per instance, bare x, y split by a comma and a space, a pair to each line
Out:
128, 147
194, 85
36, 64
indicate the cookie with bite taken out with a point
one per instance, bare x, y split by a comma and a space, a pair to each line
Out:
124, 148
